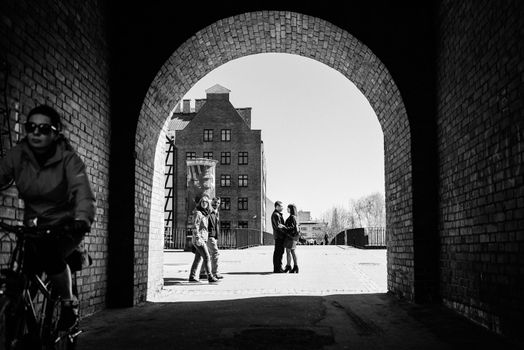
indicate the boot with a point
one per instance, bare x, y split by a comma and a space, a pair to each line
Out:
212, 279
295, 269
287, 269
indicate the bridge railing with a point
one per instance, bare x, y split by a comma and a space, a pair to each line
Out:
236, 238
362, 237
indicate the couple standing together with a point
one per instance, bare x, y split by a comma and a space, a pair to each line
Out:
286, 235
205, 235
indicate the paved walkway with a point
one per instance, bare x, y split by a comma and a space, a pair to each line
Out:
247, 273
254, 309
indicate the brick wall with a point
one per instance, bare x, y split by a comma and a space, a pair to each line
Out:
481, 152
57, 54
293, 33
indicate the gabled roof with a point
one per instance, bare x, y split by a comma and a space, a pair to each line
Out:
217, 89
179, 121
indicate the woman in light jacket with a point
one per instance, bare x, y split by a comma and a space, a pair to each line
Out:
200, 236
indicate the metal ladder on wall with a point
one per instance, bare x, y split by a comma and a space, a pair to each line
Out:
169, 196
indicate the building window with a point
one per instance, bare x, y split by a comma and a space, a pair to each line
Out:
208, 135
225, 158
242, 158
225, 180
242, 180
242, 224
225, 226
208, 155
225, 204
225, 135
190, 155
242, 203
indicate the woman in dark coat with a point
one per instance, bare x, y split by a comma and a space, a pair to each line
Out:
292, 235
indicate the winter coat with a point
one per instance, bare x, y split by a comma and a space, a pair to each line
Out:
54, 193
277, 218
200, 233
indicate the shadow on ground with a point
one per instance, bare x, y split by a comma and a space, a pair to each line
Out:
370, 321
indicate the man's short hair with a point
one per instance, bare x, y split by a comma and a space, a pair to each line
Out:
277, 203
216, 198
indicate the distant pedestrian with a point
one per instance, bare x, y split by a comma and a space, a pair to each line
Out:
326, 238
277, 221
292, 235
214, 230
200, 238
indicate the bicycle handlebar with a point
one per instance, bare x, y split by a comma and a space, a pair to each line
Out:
20, 230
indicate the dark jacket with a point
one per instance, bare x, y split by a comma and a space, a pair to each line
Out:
277, 218
214, 224
57, 191
291, 229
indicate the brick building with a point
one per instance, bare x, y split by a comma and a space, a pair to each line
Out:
217, 130
311, 229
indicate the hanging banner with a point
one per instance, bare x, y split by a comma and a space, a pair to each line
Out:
200, 181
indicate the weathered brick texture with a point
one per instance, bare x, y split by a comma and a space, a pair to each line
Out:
56, 53
293, 33
481, 156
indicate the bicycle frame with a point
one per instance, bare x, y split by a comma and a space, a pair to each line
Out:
31, 302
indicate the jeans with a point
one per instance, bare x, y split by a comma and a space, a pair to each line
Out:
277, 254
212, 246
201, 253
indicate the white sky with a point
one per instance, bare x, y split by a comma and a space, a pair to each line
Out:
323, 142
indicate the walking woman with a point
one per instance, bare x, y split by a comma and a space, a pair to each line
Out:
52, 180
292, 235
200, 237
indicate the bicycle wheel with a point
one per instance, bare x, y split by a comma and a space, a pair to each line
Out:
55, 338
21, 331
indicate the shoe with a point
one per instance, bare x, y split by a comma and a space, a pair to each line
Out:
287, 269
192, 279
68, 314
219, 276
278, 271
295, 269
212, 279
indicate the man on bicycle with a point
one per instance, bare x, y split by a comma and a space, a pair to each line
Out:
51, 179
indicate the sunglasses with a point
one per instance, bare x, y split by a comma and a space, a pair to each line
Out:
44, 129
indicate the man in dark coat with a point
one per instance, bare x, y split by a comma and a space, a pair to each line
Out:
277, 221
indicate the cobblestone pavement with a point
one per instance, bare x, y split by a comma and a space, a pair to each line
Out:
324, 270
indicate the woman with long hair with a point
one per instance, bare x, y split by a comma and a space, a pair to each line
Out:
292, 235
200, 237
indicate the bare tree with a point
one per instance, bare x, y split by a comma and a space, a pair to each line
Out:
370, 210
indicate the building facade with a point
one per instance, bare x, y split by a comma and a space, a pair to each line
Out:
217, 130
311, 230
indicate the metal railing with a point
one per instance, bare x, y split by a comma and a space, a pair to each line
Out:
236, 238
174, 238
362, 237
376, 236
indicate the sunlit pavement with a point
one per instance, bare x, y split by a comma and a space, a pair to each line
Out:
323, 270
337, 301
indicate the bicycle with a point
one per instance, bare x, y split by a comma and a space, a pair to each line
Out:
29, 306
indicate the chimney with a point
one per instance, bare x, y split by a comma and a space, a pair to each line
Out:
186, 108
217, 92
245, 113
199, 103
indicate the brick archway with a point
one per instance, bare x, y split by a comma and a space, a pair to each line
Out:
276, 32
